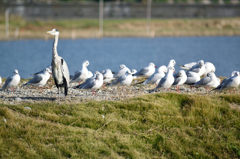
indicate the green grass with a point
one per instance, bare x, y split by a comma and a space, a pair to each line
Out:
165, 125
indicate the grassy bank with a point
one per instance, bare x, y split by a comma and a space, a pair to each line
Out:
163, 125
88, 28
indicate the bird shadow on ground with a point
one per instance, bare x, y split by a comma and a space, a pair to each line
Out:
33, 98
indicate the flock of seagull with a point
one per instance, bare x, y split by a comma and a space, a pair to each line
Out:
198, 73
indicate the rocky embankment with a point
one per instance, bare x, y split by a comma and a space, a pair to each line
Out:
111, 93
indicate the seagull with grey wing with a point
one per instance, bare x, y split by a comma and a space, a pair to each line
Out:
210, 80
199, 68
168, 80
40, 79
125, 79
231, 82
107, 76
94, 82
180, 79
147, 71
12, 81
156, 77
192, 78
81, 75
123, 69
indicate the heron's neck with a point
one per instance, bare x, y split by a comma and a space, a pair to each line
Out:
55, 43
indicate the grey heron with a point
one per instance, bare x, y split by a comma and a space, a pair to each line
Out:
60, 70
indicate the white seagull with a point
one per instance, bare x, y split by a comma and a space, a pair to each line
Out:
168, 80
12, 81
122, 71
188, 66
180, 78
147, 71
126, 79
40, 79
156, 77
231, 82
199, 68
210, 80
192, 78
107, 76
209, 67
0, 80
94, 82
83, 74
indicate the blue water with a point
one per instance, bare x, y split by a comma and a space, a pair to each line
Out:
30, 56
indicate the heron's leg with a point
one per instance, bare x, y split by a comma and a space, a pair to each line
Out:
58, 94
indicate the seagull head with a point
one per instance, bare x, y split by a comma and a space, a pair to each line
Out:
15, 71
181, 73
86, 63
53, 32
163, 68
201, 62
172, 63
122, 66
48, 70
133, 71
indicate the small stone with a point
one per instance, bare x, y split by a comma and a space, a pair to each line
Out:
28, 108
5, 120
18, 99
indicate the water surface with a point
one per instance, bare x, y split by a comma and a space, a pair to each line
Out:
30, 56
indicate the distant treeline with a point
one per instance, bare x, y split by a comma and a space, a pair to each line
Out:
138, 1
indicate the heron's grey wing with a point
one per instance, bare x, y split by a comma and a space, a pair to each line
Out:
65, 71
142, 71
9, 79
35, 79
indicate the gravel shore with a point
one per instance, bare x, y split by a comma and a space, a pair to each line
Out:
111, 93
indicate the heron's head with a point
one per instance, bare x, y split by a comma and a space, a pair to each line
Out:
15, 71
53, 32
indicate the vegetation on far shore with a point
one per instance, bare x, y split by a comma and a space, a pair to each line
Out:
161, 125
89, 28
